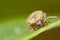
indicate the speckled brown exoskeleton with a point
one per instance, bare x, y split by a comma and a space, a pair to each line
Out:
37, 19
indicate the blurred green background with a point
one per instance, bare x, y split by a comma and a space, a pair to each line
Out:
24, 7
20, 9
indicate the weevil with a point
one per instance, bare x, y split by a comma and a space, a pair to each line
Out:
37, 19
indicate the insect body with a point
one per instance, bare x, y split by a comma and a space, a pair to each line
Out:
36, 19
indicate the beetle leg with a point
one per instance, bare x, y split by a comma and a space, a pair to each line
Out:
51, 17
47, 22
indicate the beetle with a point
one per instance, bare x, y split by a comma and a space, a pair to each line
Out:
37, 19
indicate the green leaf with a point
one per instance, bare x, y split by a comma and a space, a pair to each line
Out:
15, 29
53, 23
